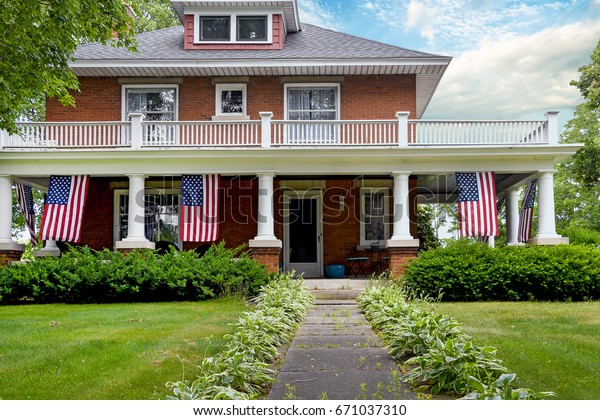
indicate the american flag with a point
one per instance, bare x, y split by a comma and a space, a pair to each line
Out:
477, 212
25, 199
63, 211
526, 215
200, 208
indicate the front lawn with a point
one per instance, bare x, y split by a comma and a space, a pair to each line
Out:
551, 346
112, 351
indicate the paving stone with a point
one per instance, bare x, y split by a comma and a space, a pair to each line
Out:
332, 341
337, 359
331, 329
345, 385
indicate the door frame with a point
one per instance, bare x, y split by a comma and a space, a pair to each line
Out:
312, 194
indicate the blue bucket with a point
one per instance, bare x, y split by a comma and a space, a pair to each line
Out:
335, 271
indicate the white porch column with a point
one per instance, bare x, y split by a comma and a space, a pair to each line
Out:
552, 127
7, 243
136, 220
546, 218
512, 217
266, 222
401, 236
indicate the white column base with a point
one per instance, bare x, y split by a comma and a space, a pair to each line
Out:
49, 250
135, 244
552, 240
515, 244
11, 245
265, 243
402, 243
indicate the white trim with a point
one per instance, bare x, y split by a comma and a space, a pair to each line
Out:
233, 15
308, 85
312, 194
386, 215
148, 86
219, 88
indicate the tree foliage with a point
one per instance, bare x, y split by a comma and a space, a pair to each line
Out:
37, 41
154, 14
578, 179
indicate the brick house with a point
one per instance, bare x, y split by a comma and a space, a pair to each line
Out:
317, 136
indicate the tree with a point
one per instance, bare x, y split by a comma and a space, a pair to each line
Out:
578, 178
37, 40
154, 14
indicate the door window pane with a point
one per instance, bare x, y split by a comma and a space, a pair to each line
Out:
252, 28
215, 28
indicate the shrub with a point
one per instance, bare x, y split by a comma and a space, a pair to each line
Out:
444, 359
475, 272
581, 236
241, 370
82, 275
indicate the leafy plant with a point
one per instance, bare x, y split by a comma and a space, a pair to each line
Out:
474, 272
503, 389
242, 370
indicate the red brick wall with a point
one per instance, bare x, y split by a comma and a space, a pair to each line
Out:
377, 97
362, 97
99, 99
278, 38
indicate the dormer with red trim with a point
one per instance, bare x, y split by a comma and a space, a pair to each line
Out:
237, 25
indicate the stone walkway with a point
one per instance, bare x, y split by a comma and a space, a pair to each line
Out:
336, 355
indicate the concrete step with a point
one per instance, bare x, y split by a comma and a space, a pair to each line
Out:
335, 294
336, 284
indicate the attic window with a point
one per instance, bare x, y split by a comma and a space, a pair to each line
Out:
252, 28
215, 28
233, 29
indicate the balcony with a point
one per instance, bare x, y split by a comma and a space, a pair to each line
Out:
267, 133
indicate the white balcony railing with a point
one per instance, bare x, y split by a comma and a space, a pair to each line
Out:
476, 132
68, 135
265, 133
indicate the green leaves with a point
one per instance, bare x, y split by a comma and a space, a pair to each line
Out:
444, 359
474, 272
242, 371
82, 275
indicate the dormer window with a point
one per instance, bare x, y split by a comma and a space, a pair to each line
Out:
233, 29
215, 28
252, 28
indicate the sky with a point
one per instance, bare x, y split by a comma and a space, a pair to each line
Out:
512, 60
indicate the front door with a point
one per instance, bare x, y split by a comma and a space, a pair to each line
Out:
303, 250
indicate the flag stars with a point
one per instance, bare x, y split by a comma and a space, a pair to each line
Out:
60, 187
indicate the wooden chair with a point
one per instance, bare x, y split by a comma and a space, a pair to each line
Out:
355, 263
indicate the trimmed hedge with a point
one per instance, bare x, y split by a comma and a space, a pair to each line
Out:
82, 275
474, 272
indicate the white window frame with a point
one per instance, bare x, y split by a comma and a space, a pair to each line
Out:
149, 191
386, 216
233, 24
219, 88
287, 86
124, 89
290, 131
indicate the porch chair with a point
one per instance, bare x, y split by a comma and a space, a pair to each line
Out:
355, 263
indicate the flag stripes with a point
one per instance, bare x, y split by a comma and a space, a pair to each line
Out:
200, 208
477, 211
526, 214
63, 211
25, 200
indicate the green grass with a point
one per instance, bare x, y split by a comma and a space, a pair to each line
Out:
550, 346
116, 351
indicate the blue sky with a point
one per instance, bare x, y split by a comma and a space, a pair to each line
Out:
511, 59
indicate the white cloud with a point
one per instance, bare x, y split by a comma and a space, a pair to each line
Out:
516, 76
318, 13
422, 17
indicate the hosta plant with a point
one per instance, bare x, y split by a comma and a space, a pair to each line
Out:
503, 388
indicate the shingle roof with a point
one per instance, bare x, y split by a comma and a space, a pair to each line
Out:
313, 42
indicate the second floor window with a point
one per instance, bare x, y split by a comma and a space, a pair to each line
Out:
312, 103
231, 99
156, 103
